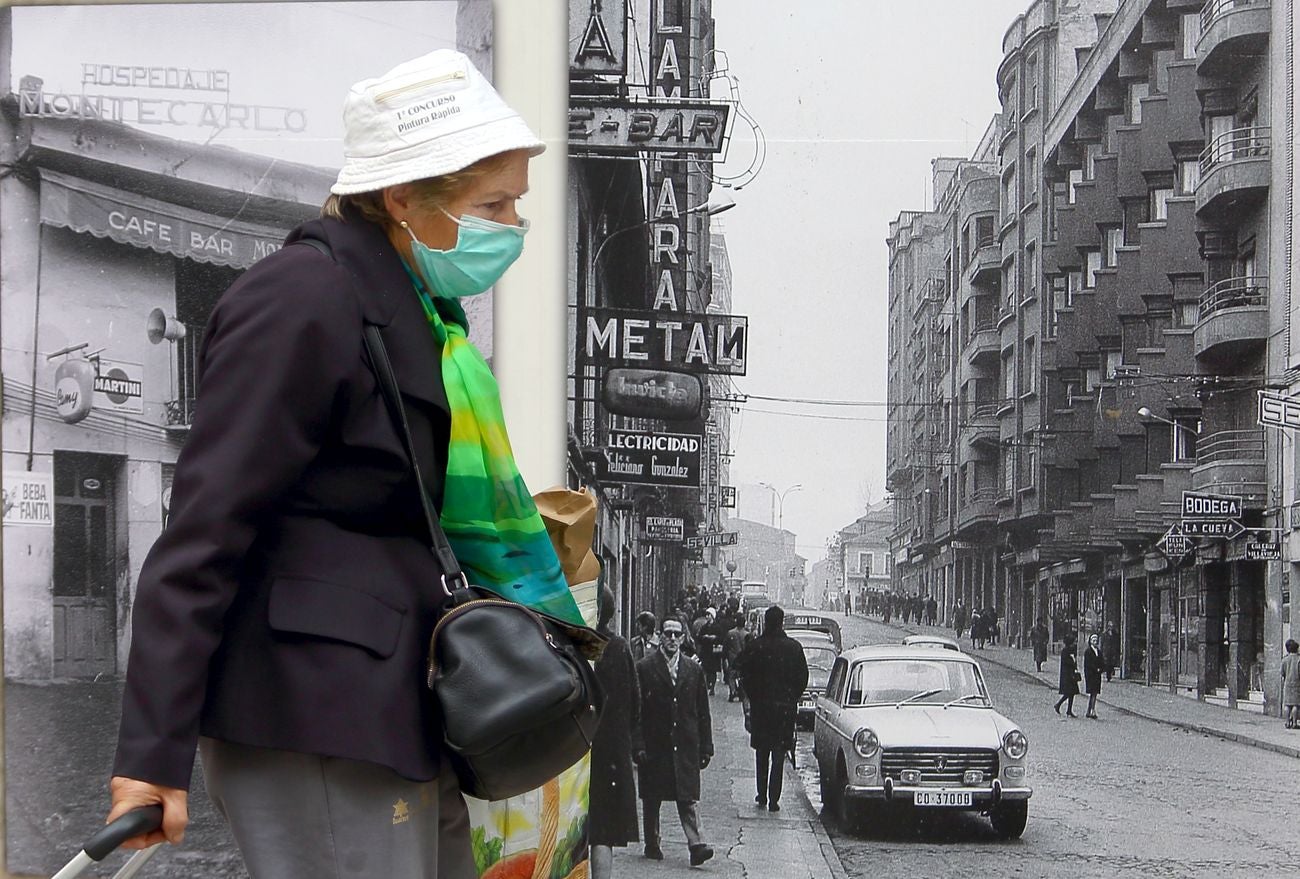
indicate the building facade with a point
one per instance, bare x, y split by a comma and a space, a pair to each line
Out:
649, 434
1137, 301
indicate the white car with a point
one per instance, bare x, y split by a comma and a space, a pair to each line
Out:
914, 727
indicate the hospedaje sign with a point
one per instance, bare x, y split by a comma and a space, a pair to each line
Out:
682, 342
669, 460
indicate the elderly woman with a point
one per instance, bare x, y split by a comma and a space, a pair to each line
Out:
281, 620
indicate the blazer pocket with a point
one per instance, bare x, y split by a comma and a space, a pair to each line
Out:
326, 610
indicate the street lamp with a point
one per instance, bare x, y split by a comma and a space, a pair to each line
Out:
715, 205
779, 496
1147, 413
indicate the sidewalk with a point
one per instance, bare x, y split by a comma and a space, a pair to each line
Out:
747, 841
1152, 703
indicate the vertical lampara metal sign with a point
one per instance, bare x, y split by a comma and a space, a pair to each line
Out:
667, 177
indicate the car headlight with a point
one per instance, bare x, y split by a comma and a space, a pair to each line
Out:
1015, 744
866, 743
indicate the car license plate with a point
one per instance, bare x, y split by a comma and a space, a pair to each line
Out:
943, 798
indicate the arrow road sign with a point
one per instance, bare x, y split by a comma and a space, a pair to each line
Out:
1175, 543
1225, 529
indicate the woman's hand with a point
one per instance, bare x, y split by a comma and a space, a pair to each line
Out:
128, 794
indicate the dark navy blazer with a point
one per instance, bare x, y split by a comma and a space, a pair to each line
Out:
289, 601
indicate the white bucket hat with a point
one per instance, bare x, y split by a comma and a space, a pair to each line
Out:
427, 117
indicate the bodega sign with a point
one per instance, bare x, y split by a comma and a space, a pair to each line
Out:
635, 457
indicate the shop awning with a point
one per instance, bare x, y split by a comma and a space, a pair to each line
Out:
131, 218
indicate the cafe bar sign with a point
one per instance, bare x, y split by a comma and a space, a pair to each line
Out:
671, 460
648, 339
129, 218
621, 127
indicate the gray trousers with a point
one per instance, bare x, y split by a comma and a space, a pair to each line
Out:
688, 812
302, 816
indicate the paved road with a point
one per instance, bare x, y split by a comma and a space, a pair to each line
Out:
1118, 796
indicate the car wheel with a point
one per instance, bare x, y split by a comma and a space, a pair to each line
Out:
848, 814
827, 783
1009, 818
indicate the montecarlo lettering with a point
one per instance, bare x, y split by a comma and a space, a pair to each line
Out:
655, 443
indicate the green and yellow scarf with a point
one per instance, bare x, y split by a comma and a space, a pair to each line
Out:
488, 513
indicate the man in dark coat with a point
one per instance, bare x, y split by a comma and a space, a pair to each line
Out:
674, 740
646, 641
612, 815
959, 618
1038, 638
775, 673
712, 643
1068, 683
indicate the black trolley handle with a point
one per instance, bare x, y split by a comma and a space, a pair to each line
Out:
107, 840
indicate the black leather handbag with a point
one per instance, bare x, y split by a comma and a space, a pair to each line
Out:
519, 699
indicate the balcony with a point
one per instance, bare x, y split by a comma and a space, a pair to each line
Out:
987, 264
983, 423
1233, 318
1234, 170
978, 508
1230, 29
984, 340
1232, 462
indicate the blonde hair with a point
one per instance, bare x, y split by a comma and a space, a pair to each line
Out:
431, 193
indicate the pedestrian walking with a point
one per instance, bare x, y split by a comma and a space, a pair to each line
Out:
1038, 638
736, 639
712, 646
1110, 650
775, 672
646, 641
611, 817
977, 628
931, 610
959, 618
281, 618
1068, 686
991, 628
1092, 663
673, 742
1291, 684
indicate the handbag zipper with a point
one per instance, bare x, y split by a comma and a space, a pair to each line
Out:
385, 96
433, 665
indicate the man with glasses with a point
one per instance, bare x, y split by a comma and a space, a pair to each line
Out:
674, 740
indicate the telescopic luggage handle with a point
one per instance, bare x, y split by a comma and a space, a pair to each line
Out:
106, 841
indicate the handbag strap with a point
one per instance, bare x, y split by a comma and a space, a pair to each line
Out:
383, 367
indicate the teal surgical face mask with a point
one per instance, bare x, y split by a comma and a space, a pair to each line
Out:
483, 252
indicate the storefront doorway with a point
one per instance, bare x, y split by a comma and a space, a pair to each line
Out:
85, 564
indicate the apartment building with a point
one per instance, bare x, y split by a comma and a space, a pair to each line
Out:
1121, 302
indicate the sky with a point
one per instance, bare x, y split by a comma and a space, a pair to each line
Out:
854, 98
285, 55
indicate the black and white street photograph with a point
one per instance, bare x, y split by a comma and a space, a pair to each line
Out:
151, 154
934, 367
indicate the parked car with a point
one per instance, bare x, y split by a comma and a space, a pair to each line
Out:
932, 641
902, 727
821, 659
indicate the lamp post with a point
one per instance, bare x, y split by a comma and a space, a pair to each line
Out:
715, 205
779, 497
